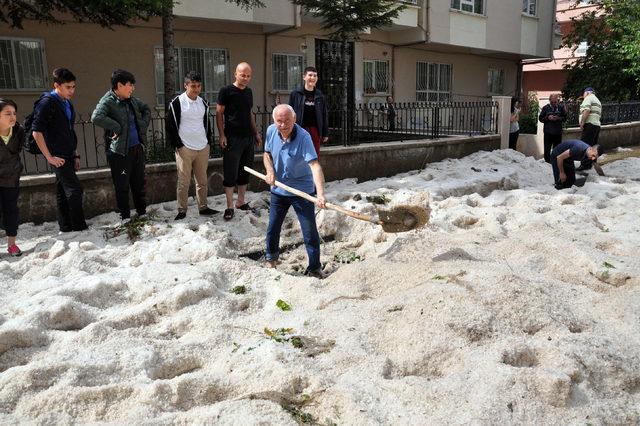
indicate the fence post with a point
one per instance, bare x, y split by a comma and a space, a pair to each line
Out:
504, 115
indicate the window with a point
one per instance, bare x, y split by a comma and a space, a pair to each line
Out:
22, 64
376, 77
212, 64
496, 81
529, 7
581, 50
433, 82
286, 71
472, 6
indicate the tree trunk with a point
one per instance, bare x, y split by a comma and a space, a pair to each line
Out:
169, 55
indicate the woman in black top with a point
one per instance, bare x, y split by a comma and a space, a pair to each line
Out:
11, 137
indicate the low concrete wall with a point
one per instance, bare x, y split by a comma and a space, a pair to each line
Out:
38, 201
611, 136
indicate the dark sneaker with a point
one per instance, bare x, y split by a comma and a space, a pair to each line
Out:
315, 274
180, 216
228, 214
14, 250
208, 212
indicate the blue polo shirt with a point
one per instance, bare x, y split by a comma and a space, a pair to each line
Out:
291, 159
577, 149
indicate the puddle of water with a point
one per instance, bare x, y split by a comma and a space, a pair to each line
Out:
620, 155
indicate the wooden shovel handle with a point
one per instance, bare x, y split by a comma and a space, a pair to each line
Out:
313, 199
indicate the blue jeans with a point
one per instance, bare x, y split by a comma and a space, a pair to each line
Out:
305, 210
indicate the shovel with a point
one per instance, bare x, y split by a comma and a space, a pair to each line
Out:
398, 219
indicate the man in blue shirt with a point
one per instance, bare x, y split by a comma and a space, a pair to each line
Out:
563, 156
290, 157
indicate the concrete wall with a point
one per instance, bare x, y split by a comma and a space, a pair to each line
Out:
37, 195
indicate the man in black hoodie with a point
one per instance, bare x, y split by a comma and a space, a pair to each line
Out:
53, 119
310, 107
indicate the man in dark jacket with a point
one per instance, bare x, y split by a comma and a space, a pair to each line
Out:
552, 115
189, 132
310, 107
125, 120
53, 119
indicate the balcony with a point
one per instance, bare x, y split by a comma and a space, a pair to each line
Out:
277, 13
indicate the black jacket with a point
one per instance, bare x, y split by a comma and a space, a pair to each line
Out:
553, 127
10, 164
50, 119
172, 122
296, 100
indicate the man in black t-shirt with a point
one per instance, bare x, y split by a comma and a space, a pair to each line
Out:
238, 133
310, 107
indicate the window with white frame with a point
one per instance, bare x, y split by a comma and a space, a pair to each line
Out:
286, 70
471, 6
376, 77
529, 7
433, 82
495, 81
211, 64
22, 65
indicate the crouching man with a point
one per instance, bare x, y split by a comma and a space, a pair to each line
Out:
563, 156
290, 157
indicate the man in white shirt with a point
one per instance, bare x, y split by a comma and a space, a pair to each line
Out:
189, 131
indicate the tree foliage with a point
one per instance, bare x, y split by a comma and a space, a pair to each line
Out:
612, 62
106, 13
346, 19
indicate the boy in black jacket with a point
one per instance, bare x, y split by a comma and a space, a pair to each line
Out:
310, 107
53, 119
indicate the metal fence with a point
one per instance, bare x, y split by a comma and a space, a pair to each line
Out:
363, 123
612, 113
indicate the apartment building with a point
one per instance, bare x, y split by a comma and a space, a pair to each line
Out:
547, 77
435, 50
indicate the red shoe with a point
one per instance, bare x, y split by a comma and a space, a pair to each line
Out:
14, 251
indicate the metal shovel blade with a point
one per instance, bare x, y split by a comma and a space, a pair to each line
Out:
403, 218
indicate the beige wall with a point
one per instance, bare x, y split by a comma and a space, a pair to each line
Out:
276, 12
503, 28
469, 73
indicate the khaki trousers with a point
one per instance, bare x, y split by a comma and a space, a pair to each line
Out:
190, 162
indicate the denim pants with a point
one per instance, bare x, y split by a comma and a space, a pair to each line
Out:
305, 210
569, 171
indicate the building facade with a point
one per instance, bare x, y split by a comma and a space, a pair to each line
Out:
436, 50
547, 77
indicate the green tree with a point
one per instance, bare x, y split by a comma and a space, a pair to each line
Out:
612, 62
345, 20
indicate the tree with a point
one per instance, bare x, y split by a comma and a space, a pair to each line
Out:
347, 19
612, 61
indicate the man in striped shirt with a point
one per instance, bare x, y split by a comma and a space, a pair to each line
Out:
590, 112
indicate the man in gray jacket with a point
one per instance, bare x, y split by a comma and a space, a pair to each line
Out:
125, 120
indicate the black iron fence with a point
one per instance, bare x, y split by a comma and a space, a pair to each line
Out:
612, 113
363, 123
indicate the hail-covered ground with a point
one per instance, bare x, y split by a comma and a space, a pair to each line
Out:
517, 303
